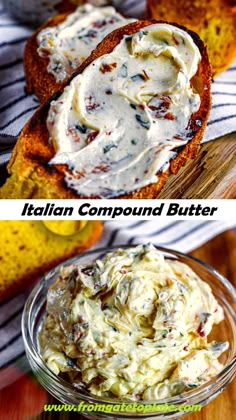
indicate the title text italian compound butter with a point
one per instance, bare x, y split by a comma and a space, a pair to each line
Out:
132, 325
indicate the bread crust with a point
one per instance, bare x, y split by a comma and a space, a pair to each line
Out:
33, 177
38, 80
68, 6
213, 20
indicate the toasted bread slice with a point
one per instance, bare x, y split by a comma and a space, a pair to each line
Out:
38, 79
68, 6
213, 20
31, 175
43, 45
29, 249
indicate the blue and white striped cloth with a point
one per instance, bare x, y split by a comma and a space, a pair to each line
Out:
183, 236
16, 107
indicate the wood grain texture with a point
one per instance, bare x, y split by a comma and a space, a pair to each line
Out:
212, 174
220, 252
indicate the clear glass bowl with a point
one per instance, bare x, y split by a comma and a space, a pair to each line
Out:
35, 310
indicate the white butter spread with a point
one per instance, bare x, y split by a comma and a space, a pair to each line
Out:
132, 325
120, 122
69, 43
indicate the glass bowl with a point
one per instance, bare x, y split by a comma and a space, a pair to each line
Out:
35, 311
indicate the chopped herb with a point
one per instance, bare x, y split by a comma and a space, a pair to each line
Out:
190, 134
81, 128
71, 364
137, 77
164, 41
133, 141
181, 335
144, 123
85, 325
109, 147
192, 385
92, 33
206, 315
128, 38
114, 329
133, 106
142, 33
88, 271
123, 71
56, 66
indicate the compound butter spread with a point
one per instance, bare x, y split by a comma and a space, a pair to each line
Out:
120, 122
133, 324
69, 43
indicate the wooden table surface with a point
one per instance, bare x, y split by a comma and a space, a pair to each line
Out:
25, 398
212, 174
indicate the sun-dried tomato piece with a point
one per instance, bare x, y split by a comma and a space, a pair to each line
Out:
169, 116
100, 168
91, 103
105, 68
91, 136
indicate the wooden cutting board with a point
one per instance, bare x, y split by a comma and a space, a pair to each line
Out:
212, 174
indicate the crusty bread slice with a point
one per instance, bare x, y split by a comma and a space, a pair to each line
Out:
213, 20
38, 79
29, 249
32, 177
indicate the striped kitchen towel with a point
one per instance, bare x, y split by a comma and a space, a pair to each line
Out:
16, 106
183, 236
